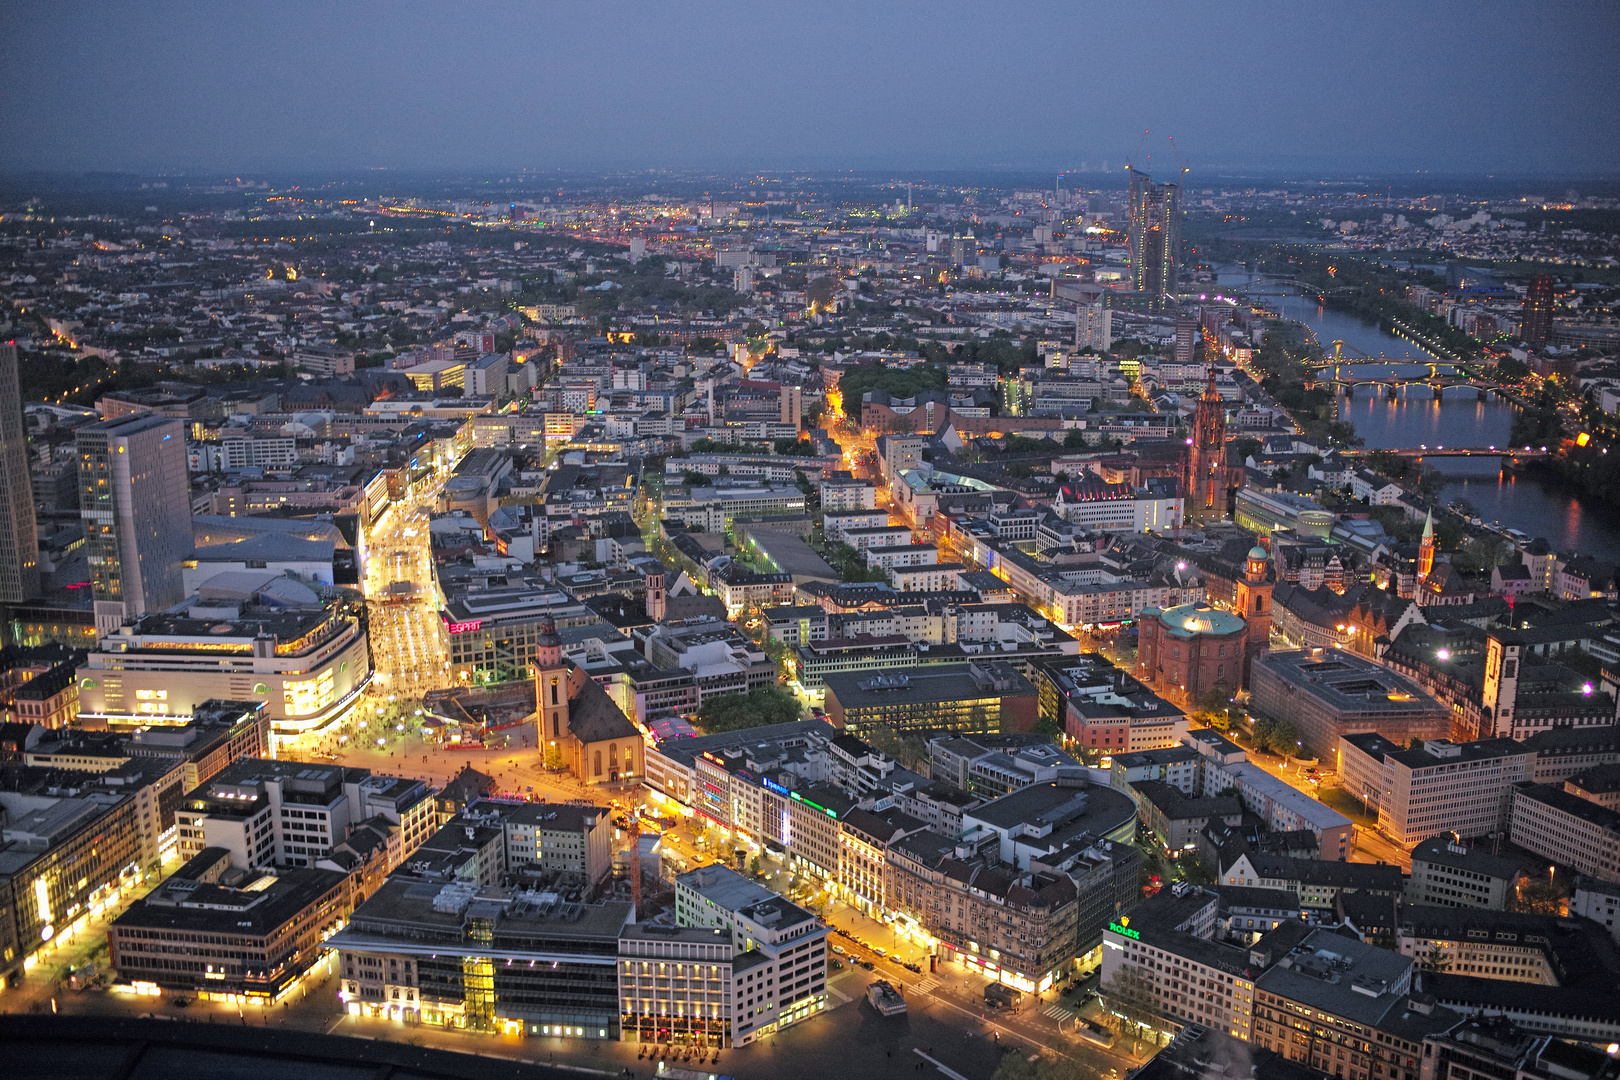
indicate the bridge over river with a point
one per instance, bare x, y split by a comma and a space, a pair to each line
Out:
1525, 453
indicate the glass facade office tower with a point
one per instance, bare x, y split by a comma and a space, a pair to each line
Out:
1536, 316
135, 500
1155, 236
19, 543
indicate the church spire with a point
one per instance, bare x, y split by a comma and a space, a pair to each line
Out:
1426, 548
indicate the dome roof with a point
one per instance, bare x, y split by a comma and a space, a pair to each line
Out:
1258, 552
1191, 619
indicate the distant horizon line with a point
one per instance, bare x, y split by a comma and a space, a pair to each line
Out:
880, 173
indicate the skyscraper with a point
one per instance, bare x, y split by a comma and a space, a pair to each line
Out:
1186, 335
1536, 316
19, 543
1203, 484
1155, 236
135, 500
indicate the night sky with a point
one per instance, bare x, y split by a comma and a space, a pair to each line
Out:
1522, 88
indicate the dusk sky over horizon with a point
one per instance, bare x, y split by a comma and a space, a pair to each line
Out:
1509, 89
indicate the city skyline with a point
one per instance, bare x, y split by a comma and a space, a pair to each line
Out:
1348, 92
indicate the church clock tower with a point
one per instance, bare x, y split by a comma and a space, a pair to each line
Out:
550, 686
1252, 599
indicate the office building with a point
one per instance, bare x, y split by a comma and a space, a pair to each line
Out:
62, 857
288, 813
1165, 945
991, 766
1461, 788
1493, 1046
1345, 1008
678, 984
1598, 901
224, 933
135, 500
1448, 873
1566, 829
779, 955
1546, 973
1510, 946
1327, 695
1094, 327
19, 544
1187, 336
1283, 807
979, 697
1155, 237
1536, 314
550, 838
465, 954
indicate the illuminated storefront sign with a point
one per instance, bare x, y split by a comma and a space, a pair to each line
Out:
1123, 928
465, 627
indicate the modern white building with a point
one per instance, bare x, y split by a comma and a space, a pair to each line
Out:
288, 813
1443, 787
246, 637
779, 952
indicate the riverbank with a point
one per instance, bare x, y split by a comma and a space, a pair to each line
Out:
1567, 500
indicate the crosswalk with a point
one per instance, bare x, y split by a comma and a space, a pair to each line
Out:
1059, 1012
927, 984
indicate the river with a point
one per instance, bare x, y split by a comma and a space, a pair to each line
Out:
1539, 506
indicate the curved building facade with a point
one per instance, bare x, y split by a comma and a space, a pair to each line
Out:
307, 665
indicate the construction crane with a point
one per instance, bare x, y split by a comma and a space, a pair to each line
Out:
1130, 162
1181, 168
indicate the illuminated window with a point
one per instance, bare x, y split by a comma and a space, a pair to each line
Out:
151, 695
308, 696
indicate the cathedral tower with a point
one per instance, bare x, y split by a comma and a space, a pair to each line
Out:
1203, 481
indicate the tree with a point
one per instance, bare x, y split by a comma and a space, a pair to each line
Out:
1213, 707
908, 749
1129, 996
758, 708
1435, 960
1539, 895
1074, 439
793, 448
1511, 368
554, 757
1280, 737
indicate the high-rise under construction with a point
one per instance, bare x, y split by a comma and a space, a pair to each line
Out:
1155, 236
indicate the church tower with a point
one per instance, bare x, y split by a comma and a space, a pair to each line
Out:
1426, 549
1252, 599
1203, 480
550, 686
